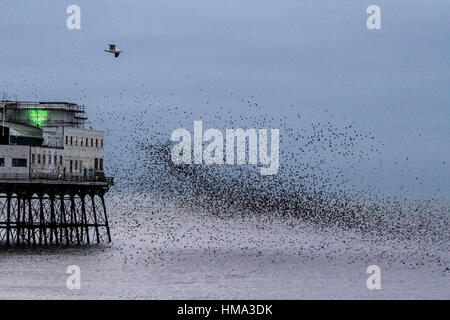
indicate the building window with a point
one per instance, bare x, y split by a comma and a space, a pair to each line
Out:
33, 158
43, 158
2, 162
18, 162
96, 143
55, 160
71, 163
76, 165
39, 158
71, 140
101, 164
96, 164
92, 142
76, 141
81, 141
49, 159
60, 160
102, 143
67, 140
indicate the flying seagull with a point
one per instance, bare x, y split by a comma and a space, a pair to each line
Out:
112, 49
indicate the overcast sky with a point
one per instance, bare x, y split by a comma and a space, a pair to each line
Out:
312, 54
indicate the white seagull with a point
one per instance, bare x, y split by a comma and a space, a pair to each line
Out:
112, 49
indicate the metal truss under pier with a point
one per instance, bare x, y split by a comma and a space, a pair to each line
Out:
56, 213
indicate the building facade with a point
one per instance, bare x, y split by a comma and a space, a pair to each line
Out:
49, 140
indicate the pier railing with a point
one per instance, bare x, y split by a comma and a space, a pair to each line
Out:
57, 177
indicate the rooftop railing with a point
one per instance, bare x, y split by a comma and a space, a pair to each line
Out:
45, 106
58, 177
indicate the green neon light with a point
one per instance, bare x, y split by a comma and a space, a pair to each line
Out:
38, 117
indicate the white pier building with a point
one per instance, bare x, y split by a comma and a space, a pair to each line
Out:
49, 140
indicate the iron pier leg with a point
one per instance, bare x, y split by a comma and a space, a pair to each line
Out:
63, 212
8, 217
30, 214
106, 218
74, 216
83, 217
24, 219
95, 217
53, 219
42, 218
18, 220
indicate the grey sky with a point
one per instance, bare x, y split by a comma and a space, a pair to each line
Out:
317, 54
